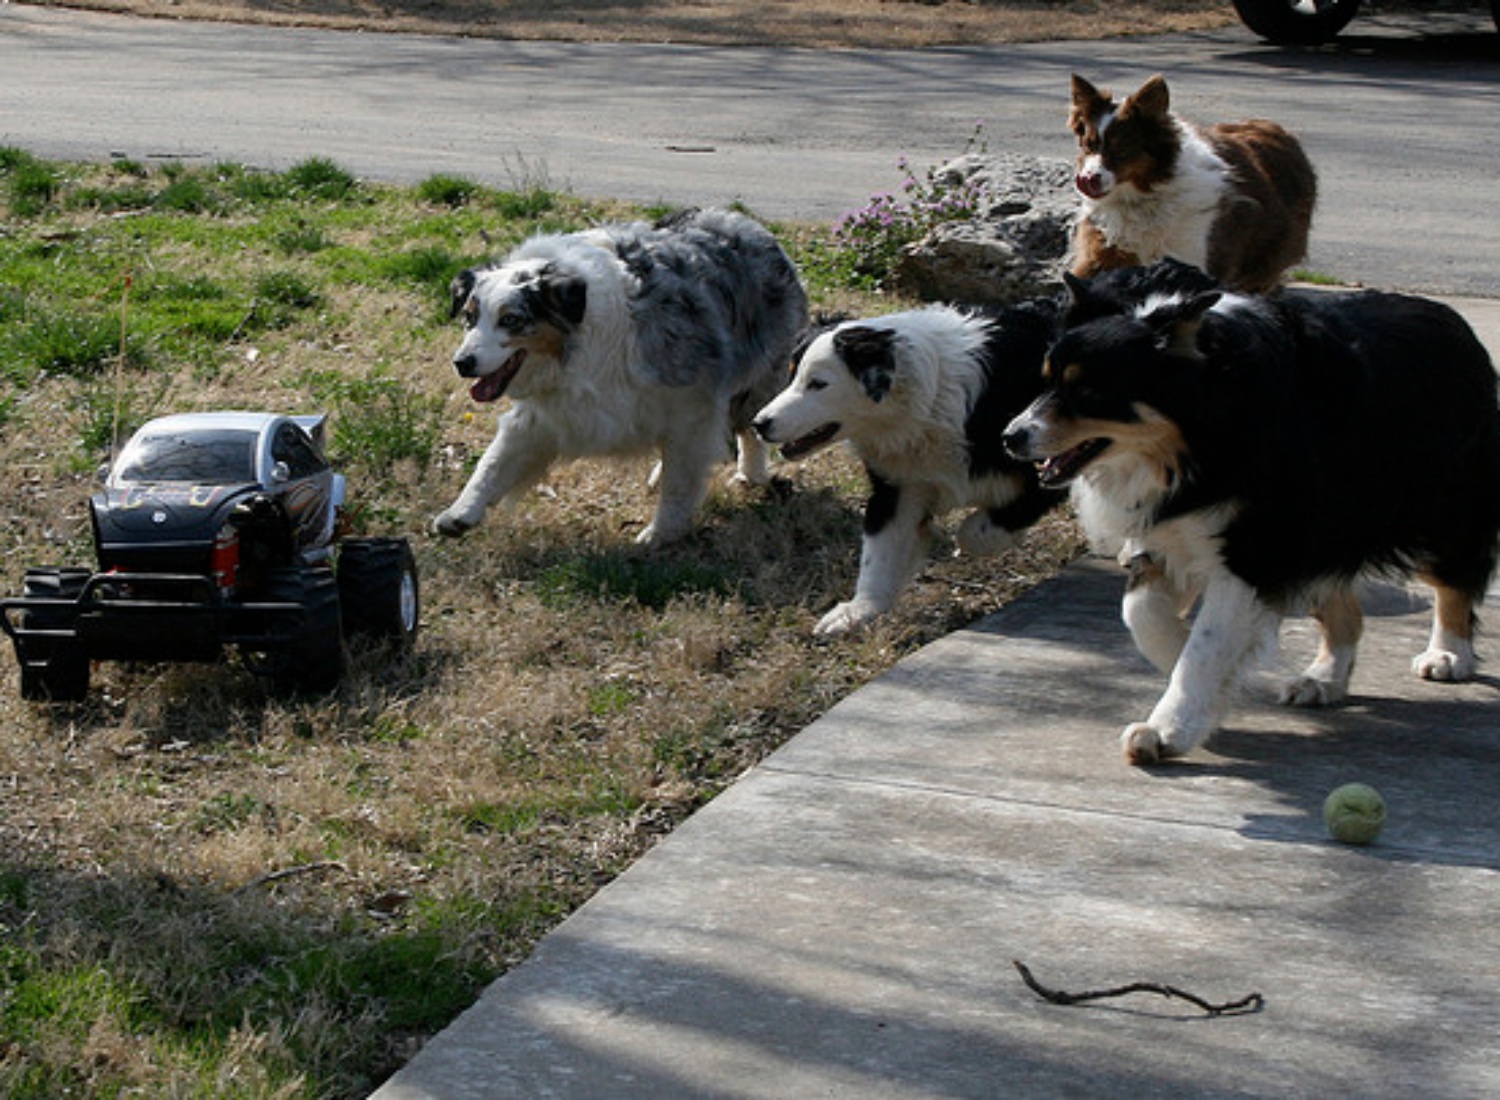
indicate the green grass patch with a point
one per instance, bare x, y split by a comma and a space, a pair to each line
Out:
620, 577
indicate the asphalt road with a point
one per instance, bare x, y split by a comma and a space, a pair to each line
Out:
1399, 119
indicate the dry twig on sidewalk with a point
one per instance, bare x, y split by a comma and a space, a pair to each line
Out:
1251, 1003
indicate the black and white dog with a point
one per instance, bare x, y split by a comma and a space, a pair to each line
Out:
922, 397
623, 339
1260, 454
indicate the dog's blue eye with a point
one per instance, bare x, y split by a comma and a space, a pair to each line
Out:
510, 320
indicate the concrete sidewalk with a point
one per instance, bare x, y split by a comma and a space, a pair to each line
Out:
842, 922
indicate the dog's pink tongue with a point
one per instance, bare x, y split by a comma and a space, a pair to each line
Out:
490, 387
1089, 186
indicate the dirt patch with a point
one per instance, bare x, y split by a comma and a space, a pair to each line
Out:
824, 24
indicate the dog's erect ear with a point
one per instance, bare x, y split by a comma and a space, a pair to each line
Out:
1176, 323
564, 297
1151, 98
1088, 104
1082, 302
460, 289
1085, 95
869, 355
1179, 275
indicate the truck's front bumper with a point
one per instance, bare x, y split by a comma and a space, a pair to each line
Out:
149, 617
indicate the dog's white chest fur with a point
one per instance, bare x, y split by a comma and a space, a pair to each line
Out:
1173, 218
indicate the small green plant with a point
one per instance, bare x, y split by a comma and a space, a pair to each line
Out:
377, 420
427, 267
301, 237
530, 193
111, 199
33, 186
286, 290
41, 339
442, 190
530, 203
611, 697
320, 178
189, 193
12, 158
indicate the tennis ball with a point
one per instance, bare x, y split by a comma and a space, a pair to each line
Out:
1354, 813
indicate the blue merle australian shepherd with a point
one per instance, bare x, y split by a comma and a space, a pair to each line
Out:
623, 339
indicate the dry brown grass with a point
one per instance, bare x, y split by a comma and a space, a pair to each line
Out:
833, 24
208, 847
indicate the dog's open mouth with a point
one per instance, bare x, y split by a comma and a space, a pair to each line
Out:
1090, 187
805, 445
491, 386
1063, 468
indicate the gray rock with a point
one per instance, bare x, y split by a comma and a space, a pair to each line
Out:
1016, 248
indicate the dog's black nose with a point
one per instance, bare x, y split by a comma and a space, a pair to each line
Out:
762, 427
1017, 442
465, 365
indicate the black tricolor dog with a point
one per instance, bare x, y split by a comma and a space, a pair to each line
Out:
1263, 453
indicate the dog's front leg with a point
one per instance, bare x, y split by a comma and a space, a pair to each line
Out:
681, 481
1232, 624
516, 459
1155, 609
753, 459
894, 539
997, 528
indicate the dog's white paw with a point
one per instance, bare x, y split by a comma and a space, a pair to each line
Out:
653, 479
742, 479
656, 535
1311, 691
1443, 664
749, 478
845, 617
978, 537
1143, 744
752, 468
451, 524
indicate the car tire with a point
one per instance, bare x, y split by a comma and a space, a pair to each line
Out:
1298, 22
53, 670
312, 661
379, 591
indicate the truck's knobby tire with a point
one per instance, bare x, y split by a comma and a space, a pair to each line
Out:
1294, 23
313, 660
378, 590
53, 670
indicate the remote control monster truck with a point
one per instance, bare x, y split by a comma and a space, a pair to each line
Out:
216, 532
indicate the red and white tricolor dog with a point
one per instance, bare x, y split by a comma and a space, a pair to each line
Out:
1235, 199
